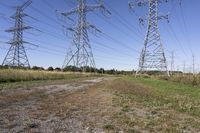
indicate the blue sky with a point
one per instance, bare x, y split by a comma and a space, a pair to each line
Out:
124, 35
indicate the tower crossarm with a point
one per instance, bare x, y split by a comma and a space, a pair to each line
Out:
88, 8
14, 29
141, 3
159, 17
99, 6
138, 3
90, 26
71, 12
163, 16
25, 5
21, 14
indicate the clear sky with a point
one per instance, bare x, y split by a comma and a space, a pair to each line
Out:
122, 39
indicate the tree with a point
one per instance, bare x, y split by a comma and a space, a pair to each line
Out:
37, 68
57, 69
101, 70
50, 68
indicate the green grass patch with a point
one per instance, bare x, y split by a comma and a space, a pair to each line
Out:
181, 97
168, 87
152, 105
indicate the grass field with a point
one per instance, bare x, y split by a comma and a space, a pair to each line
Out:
18, 78
155, 106
14, 75
183, 78
106, 104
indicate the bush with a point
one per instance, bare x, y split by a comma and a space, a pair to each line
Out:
37, 68
163, 77
194, 81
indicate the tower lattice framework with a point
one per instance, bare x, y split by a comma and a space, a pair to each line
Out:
80, 52
152, 57
16, 55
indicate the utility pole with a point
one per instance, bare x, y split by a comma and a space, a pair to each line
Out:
177, 68
152, 56
193, 65
80, 52
16, 55
172, 62
184, 71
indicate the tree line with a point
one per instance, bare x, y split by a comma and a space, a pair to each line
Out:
86, 69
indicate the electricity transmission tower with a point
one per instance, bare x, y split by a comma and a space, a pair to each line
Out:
80, 52
16, 55
152, 55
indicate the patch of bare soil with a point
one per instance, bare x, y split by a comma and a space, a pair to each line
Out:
82, 106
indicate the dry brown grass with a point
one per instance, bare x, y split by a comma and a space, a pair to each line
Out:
15, 75
110, 106
78, 110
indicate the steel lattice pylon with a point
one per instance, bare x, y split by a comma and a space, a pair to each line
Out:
16, 55
152, 57
80, 52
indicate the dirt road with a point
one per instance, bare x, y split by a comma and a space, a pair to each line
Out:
73, 107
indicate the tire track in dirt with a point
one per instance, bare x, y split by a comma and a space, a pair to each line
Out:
71, 107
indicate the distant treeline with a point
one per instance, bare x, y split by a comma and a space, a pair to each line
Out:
86, 69
89, 70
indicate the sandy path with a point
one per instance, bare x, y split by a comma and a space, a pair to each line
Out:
54, 108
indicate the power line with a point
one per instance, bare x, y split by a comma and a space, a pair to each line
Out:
112, 48
117, 27
5, 5
185, 27
125, 23
43, 22
177, 40
43, 14
182, 23
95, 42
48, 4
108, 37
51, 34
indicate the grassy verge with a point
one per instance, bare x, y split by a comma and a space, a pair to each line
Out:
13, 78
36, 83
187, 79
169, 88
178, 96
14, 75
150, 105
